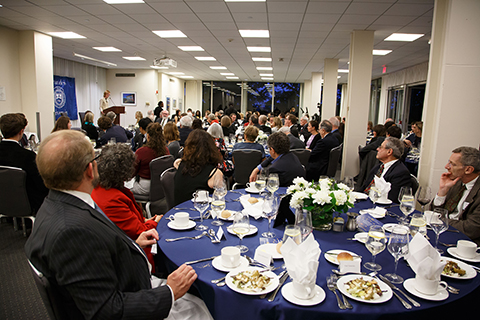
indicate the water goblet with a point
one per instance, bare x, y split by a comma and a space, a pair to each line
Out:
374, 195
303, 219
398, 247
424, 196
241, 226
293, 232
200, 202
438, 221
407, 201
260, 182
418, 224
273, 182
218, 205
376, 243
270, 207
349, 182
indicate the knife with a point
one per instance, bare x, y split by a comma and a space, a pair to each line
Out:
415, 303
201, 260
280, 276
280, 283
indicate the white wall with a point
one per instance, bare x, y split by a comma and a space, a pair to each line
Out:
10, 71
172, 88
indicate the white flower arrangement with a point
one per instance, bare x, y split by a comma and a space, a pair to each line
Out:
262, 137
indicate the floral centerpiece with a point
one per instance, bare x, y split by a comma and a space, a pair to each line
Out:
322, 199
261, 138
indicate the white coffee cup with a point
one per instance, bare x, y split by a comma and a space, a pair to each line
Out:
230, 257
251, 186
181, 219
467, 249
429, 287
303, 291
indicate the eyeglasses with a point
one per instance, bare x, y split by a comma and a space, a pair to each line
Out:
96, 158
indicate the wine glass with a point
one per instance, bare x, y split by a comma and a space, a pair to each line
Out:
424, 196
398, 247
303, 219
273, 182
270, 207
407, 201
374, 195
201, 204
218, 205
294, 232
241, 226
418, 224
349, 182
438, 221
220, 185
260, 182
376, 243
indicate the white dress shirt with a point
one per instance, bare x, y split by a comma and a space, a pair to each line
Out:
438, 201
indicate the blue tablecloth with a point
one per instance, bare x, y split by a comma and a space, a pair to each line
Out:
224, 303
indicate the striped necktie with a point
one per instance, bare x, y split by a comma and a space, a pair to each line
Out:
378, 174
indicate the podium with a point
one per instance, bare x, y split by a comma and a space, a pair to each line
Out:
118, 110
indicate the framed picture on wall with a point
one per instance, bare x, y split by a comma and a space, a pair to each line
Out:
129, 98
174, 104
168, 103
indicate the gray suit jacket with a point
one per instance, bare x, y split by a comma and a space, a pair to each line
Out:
96, 268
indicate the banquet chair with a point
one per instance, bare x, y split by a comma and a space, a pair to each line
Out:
303, 155
13, 195
180, 153
156, 203
245, 161
333, 161
167, 181
415, 183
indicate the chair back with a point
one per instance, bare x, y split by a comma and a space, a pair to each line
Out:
415, 183
303, 155
157, 166
333, 160
245, 161
13, 193
180, 153
167, 180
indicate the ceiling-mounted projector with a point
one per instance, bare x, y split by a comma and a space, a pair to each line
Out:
165, 62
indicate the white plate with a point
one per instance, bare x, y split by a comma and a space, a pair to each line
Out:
386, 201
209, 200
217, 264
287, 293
373, 213
271, 286
229, 218
333, 258
359, 195
271, 249
470, 273
253, 230
453, 252
252, 190
190, 225
361, 237
388, 227
387, 291
409, 285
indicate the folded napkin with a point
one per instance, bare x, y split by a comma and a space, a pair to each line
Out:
383, 187
377, 212
254, 210
301, 260
424, 260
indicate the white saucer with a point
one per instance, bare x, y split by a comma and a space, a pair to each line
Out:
374, 212
252, 190
388, 227
453, 252
190, 225
287, 293
381, 201
361, 237
409, 285
270, 248
470, 273
217, 264
359, 195
332, 258
253, 230
209, 200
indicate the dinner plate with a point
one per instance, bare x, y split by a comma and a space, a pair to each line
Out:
388, 227
469, 271
331, 255
252, 190
453, 251
209, 200
361, 237
269, 288
253, 230
374, 212
217, 264
409, 285
271, 249
287, 293
387, 291
386, 201
190, 225
359, 195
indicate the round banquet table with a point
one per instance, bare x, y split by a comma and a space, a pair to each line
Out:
224, 303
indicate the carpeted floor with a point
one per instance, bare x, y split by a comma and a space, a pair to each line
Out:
19, 297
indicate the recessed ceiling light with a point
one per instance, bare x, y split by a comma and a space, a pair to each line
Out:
245, 0
170, 34
107, 49
266, 74
381, 52
267, 78
404, 37
338, 77
259, 49
81, 56
254, 33
262, 59
218, 68
122, 1
187, 77
135, 58
227, 74
205, 58
343, 70
175, 73
191, 48
232, 78
66, 35
156, 67
265, 68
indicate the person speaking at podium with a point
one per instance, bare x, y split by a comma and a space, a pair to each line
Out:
104, 102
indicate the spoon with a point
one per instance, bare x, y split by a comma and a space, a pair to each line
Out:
213, 236
337, 272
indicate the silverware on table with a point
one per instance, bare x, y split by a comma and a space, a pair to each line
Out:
394, 288
200, 260
178, 208
280, 284
280, 276
345, 300
213, 237
336, 254
332, 287
204, 233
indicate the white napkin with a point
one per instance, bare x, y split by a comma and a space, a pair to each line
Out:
254, 210
301, 260
377, 212
424, 260
383, 187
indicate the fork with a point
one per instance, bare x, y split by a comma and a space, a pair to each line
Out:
331, 286
345, 300
204, 233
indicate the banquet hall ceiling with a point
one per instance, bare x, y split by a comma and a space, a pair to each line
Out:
302, 33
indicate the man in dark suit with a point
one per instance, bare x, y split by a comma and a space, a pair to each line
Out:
319, 158
335, 124
281, 161
141, 134
304, 129
185, 128
390, 168
295, 143
459, 192
97, 271
291, 122
262, 124
12, 154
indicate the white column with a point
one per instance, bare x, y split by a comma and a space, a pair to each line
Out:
451, 108
358, 99
308, 105
193, 97
330, 82
317, 79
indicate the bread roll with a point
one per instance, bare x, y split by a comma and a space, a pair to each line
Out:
226, 214
252, 200
279, 245
344, 256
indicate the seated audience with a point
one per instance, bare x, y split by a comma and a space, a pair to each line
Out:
140, 136
227, 127
112, 131
369, 132
62, 123
216, 132
163, 118
295, 143
198, 168
378, 137
138, 117
115, 166
319, 157
275, 124
12, 154
291, 122
172, 136
335, 132
185, 128
262, 124
197, 124
89, 127
250, 135
414, 140
281, 161
312, 128
304, 134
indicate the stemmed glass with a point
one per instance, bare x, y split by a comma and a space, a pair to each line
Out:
270, 207
273, 182
241, 226
220, 185
438, 221
407, 201
374, 195
294, 232
376, 243
218, 205
260, 182
398, 247
201, 204
303, 219
418, 224
424, 196
349, 182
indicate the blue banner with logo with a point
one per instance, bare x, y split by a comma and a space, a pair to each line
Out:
65, 98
